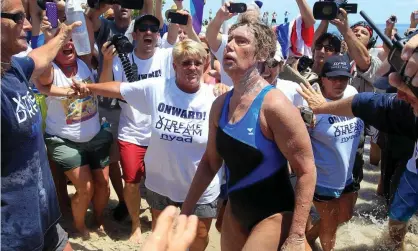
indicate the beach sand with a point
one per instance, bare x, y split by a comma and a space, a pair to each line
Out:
366, 231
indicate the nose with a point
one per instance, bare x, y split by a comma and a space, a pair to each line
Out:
26, 25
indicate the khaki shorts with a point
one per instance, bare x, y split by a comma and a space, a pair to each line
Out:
68, 154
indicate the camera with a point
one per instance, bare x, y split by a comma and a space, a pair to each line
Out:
121, 43
304, 63
394, 58
307, 115
329, 9
128, 4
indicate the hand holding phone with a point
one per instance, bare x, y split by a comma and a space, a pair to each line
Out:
177, 18
52, 13
237, 7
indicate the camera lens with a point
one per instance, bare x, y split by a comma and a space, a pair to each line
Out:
327, 10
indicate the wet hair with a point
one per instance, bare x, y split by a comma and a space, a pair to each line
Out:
265, 40
3, 4
188, 47
332, 39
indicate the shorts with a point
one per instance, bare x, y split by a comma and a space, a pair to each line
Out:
323, 194
405, 202
160, 202
68, 154
112, 116
55, 238
132, 161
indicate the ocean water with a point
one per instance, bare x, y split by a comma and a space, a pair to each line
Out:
401, 29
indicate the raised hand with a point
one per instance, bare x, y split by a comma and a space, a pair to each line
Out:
108, 51
66, 30
313, 97
223, 12
47, 29
341, 22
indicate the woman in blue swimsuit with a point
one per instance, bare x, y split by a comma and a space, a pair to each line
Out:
255, 130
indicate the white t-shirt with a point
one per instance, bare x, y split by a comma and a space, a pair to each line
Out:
180, 124
335, 140
134, 126
219, 54
165, 43
289, 89
72, 118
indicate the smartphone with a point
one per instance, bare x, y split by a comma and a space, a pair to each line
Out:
177, 18
237, 7
52, 13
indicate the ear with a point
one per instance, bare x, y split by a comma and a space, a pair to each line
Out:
174, 67
134, 35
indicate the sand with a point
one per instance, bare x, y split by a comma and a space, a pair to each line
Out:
366, 231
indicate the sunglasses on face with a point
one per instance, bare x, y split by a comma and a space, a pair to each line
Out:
18, 18
328, 48
148, 27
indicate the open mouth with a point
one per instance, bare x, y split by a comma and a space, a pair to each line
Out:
229, 58
148, 41
67, 52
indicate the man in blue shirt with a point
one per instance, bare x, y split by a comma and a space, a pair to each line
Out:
390, 114
29, 207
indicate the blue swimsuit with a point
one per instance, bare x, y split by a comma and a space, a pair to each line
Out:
257, 174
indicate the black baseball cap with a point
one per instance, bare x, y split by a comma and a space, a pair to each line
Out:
337, 66
145, 17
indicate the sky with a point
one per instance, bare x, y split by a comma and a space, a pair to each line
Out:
378, 10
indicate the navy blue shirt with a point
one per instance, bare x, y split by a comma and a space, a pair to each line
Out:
387, 113
29, 205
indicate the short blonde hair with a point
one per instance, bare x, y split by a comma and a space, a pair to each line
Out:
188, 47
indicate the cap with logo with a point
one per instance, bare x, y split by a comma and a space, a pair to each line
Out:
145, 17
337, 66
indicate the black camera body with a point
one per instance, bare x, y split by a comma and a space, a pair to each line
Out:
394, 58
121, 43
304, 63
128, 4
329, 9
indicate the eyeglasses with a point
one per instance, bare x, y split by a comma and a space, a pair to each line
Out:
328, 48
272, 63
188, 63
148, 27
18, 18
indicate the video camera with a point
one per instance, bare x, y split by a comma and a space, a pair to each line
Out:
329, 9
128, 4
394, 58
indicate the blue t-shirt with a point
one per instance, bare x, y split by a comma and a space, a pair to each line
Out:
29, 205
335, 140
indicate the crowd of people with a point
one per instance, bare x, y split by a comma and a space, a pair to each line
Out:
261, 126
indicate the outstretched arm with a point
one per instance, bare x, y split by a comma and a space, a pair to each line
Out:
209, 165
